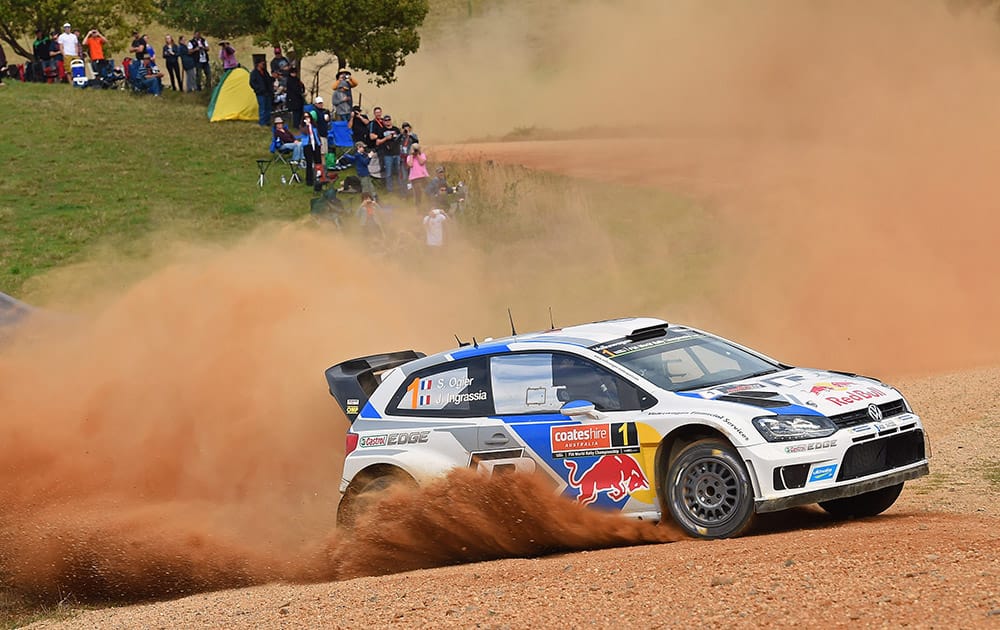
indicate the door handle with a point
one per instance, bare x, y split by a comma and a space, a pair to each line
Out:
497, 439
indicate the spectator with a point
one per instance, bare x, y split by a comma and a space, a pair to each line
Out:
199, 48
388, 149
407, 140
315, 173
296, 96
375, 127
279, 66
138, 46
94, 41
172, 57
370, 214
343, 98
55, 51
361, 158
416, 163
149, 75
263, 86
322, 124
3, 64
439, 181
42, 49
69, 45
359, 126
228, 56
434, 228
150, 49
286, 141
188, 63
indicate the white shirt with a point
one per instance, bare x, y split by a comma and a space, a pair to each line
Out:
434, 226
70, 44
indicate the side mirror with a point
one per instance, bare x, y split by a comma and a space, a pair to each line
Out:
577, 408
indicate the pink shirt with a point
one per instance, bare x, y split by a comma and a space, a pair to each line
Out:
418, 166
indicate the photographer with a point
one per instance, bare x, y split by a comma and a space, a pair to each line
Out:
228, 56
199, 48
358, 123
387, 147
342, 99
416, 163
94, 41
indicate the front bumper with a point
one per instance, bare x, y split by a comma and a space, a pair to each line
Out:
841, 491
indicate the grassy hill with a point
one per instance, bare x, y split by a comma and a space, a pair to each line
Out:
86, 166
89, 168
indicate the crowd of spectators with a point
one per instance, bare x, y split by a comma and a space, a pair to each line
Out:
187, 60
383, 152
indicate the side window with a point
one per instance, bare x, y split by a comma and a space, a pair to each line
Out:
543, 382
457, 390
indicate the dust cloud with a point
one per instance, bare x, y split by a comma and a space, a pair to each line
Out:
177, 436
849, 149
465, 517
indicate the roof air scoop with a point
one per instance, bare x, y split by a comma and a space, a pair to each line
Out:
649, 332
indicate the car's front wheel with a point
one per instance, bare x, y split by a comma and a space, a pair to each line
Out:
867, 504
708, 490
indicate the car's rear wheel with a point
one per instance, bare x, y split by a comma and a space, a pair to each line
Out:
867, 504
364, 491
708, 490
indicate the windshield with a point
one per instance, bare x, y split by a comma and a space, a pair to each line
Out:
684, 359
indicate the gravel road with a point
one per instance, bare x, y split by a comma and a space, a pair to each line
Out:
931, 561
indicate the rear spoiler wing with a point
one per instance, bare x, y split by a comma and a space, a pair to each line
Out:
352, 382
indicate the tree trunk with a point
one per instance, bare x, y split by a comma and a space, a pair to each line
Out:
8, 37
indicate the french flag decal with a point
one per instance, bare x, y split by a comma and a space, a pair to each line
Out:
425, 386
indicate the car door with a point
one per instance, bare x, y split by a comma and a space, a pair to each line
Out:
449, 401
591, 456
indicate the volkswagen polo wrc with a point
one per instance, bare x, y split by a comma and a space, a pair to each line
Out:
633, 415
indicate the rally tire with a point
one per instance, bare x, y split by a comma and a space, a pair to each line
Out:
708, 490
867, 504
364, 490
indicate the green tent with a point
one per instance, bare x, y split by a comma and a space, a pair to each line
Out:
232, 98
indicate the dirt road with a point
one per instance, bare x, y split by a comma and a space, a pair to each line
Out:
931, 561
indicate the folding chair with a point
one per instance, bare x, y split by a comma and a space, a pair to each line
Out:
262, 166
283, 156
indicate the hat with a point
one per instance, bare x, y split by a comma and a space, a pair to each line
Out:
440, 169
278, 119
405, 124
386, 117
277, 49
318, 99
67, 25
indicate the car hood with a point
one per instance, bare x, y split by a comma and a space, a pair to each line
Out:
802, 390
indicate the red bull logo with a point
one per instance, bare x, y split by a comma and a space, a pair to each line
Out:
618, 475
835, 386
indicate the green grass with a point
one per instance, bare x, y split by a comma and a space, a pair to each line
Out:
86, 167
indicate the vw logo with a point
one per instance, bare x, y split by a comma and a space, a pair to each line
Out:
874, 412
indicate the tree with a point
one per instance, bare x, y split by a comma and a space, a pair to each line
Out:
218, 18
373, 35
19, 19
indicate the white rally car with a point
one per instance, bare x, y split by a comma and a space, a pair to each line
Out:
634, 415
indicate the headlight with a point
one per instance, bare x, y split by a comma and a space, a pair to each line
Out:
784, 428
